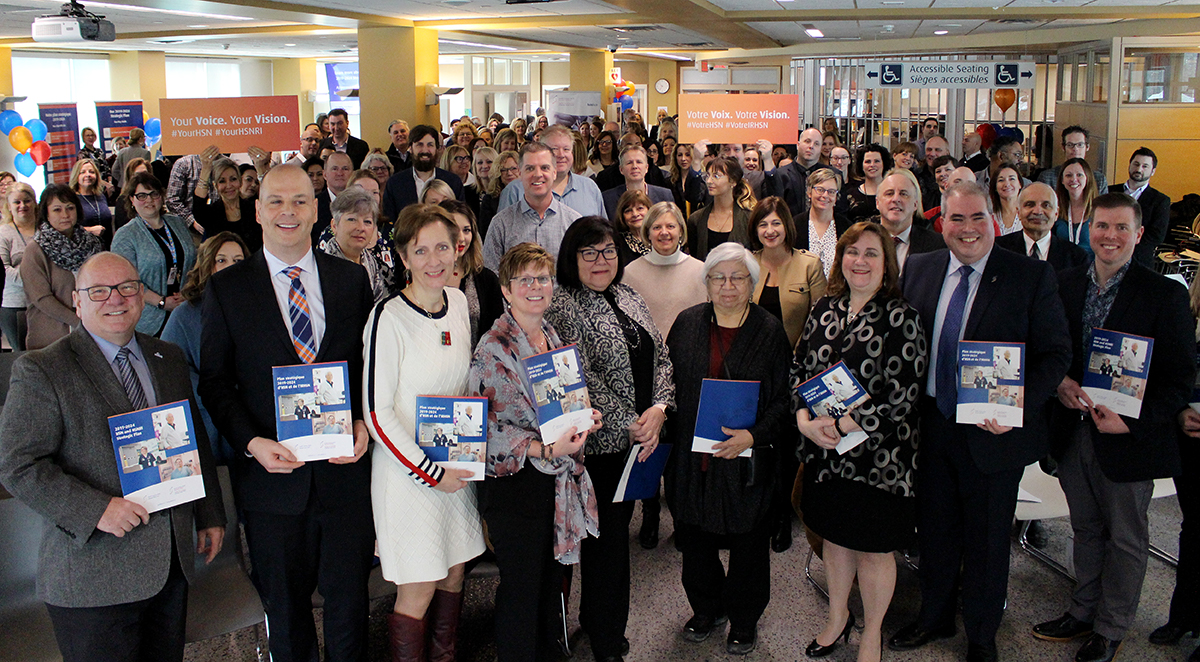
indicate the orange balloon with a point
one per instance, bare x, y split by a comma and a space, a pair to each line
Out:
1004, 98
20, 138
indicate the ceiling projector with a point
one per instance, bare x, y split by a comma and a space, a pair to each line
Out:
73, 24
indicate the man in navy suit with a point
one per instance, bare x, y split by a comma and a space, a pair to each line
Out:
406, 186
634, 165
968, 475
1107, 463
1156, 205
1037, 207
340, 140
308, 524
898, 200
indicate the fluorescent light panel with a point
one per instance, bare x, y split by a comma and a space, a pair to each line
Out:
176, 12
475, 45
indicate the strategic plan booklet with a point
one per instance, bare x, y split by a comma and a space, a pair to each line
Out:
1116, 371
991, 383
312, 410
156, 456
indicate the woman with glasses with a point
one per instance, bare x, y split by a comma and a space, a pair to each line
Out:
229, 212
861, 501
873, 161
380, 167
604, 154
540, 502
727, 216
505, 169
722, 500
50, 263
16, 231
628, 379
160, 247
839, 159
819, 235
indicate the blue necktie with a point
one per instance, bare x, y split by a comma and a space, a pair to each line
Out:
947, 355
302, 331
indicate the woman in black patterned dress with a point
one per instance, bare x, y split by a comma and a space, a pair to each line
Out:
861, 502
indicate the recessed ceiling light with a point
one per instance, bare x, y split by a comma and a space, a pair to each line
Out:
176, 12
892, 2
623, 38
199, 25
812, 31
941, 32
289, 45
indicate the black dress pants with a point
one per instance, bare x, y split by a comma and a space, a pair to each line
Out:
330, 547
520, 520
963, 520
604, 561
150, 630
1185, 603
744, 592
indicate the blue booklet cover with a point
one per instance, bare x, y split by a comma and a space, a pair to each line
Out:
1116, 371
556, 385
724, 403
452, 430
640, 479
312, 414
833, 393
991, 383
157, 457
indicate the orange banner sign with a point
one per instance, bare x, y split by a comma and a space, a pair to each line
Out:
232, 124
739, 118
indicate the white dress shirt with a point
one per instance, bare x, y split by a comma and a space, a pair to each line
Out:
948, 287
422, 183
1043, 245
902, 247
311, 281
1136, 193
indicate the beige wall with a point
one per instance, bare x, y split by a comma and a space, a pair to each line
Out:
138, 75
1172, 132
298, 77
556, 73
589, 73
670, 71
394, 65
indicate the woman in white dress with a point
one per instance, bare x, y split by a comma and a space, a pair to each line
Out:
418, 342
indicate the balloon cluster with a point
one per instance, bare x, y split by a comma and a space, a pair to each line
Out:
29, 139
153, 128
624, 94
989, 132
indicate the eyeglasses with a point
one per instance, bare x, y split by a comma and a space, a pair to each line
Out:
1075, 145
737, 280
509, 170
462, 159
144, 197
528, 281
103, 292
842, 159
605, 143
378, 168
591, 254
821, 192
714, 176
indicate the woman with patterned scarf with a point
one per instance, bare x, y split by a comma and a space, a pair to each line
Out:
48, 269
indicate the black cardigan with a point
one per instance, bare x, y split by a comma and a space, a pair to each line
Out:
719, 500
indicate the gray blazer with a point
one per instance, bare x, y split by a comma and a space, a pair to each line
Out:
57, 457
135, 242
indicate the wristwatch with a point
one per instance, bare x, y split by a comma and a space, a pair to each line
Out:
837, 425
162, 303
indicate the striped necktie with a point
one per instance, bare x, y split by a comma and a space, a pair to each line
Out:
130, 381
298, 311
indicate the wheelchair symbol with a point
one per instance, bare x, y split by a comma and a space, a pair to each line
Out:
892, 74
1006, 74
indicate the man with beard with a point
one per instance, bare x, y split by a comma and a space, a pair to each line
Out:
398, 152
1037, 207
1156, 205
406, 186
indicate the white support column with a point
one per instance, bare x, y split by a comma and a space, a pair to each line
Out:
956, 101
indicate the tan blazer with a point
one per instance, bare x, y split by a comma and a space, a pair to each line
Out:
801, 282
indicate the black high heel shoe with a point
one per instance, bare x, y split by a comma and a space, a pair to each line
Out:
1170, 634
817, 650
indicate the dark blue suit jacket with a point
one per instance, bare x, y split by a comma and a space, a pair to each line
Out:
401, 190
1017, 301
1151, 305
612, 196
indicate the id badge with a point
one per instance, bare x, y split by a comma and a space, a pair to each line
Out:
173, 276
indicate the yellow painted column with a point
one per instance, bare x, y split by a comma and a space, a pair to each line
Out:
394, 65
669, 71
6, 81
589, 73
139, 75
296, 76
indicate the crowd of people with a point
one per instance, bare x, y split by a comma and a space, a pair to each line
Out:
434, 266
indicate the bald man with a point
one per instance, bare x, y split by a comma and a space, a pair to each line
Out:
791, 181
1037, 207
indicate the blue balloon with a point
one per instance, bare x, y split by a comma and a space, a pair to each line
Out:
9, 120
25, 164
153, 128
626, 102
1019, 135
37, 128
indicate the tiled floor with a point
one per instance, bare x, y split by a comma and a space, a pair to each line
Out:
796, 612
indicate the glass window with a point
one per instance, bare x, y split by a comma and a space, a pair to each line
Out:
520, 72
1081, 81
1162, 77
1100, 75
499, 71
197, 78
479, 71
1067, 68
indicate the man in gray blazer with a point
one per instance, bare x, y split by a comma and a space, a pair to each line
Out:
113, 576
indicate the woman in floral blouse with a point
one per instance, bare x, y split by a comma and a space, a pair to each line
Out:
538, 500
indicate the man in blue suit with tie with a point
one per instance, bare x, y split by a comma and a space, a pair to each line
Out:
968, 475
